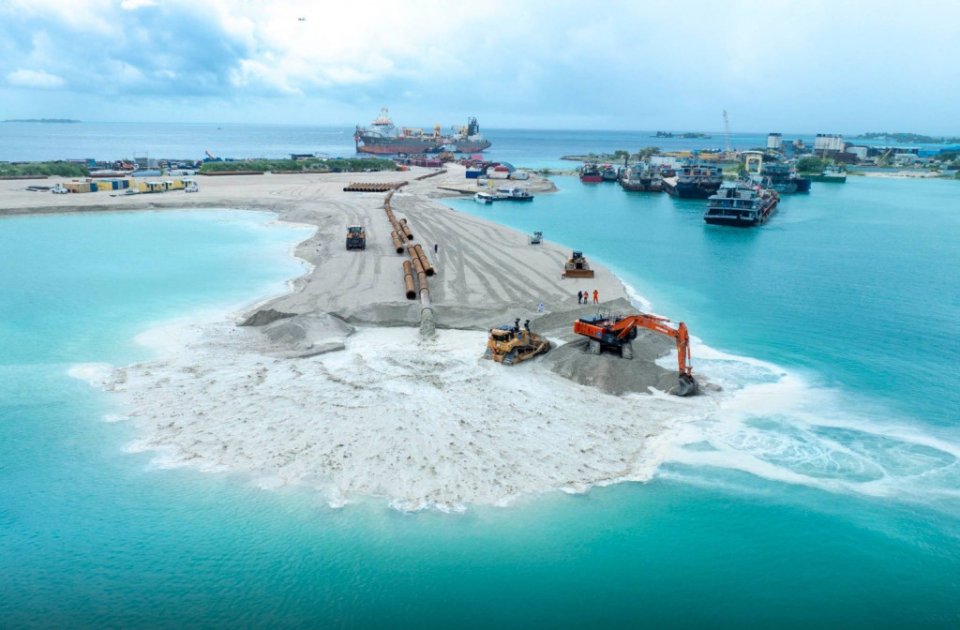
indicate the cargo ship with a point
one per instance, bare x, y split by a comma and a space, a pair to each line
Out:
696, 180
744, 204
382, 137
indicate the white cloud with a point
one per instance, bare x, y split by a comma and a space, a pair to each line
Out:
132, 5
35, 79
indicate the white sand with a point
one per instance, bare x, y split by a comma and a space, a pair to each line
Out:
379, 412
419, 423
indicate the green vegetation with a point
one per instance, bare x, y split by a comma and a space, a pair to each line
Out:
812, 164
907, 137
42, 169
645, 153
311, 165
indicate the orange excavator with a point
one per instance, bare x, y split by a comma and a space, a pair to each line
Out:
618, 332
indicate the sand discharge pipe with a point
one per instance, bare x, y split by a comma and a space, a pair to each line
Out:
397, 242
427, 267
408, 280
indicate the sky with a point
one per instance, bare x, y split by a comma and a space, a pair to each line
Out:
810, 66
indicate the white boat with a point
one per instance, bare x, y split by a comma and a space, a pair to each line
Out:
485, 198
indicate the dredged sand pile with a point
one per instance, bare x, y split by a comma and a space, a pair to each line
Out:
299, 397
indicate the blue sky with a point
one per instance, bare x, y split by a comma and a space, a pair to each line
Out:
807, 66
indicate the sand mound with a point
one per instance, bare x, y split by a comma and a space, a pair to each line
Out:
264, 317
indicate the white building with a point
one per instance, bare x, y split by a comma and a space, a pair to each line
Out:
860, 152
828, 142
775, 141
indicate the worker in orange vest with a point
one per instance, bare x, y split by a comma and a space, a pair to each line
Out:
596, 296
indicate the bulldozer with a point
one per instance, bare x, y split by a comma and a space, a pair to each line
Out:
513, 344
617, 333
577, 267
356, 237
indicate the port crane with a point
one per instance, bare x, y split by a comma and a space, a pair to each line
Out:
617, 333
727, 148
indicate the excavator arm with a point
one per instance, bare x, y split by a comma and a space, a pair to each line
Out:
659, 324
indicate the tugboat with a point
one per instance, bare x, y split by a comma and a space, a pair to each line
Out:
608, 173
784, 179
696, 180
742, 205
590, 174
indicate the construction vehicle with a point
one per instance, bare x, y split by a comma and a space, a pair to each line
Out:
537, 238
577, 267
617, 333
356, 237
512, 344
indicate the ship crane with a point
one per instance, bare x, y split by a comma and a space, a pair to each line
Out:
617, 333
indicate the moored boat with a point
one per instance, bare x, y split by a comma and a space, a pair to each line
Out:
741, 205
696, 180
784, 178
830, 175
513, 194
590, 174
641, 177
608, 173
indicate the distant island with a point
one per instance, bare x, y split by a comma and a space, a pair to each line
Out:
688, 134
907, 137
41, 120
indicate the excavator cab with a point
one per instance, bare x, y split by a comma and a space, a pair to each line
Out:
617, 333
512, 344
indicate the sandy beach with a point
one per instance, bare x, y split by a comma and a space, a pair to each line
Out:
333, 387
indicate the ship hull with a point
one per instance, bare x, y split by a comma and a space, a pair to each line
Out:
730, 221
471, 146
829, 179
395, 147
694, 190
591, 179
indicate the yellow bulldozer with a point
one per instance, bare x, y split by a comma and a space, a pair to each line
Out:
512, 344
577, 267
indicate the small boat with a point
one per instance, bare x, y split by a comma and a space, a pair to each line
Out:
513, 194
590, 174
745, 204
830, 175
484, 198
608, 173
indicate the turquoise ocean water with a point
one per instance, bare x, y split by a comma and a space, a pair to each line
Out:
831, 502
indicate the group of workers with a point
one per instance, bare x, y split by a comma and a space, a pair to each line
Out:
583, 297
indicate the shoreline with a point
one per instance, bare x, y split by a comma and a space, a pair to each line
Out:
458, 430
